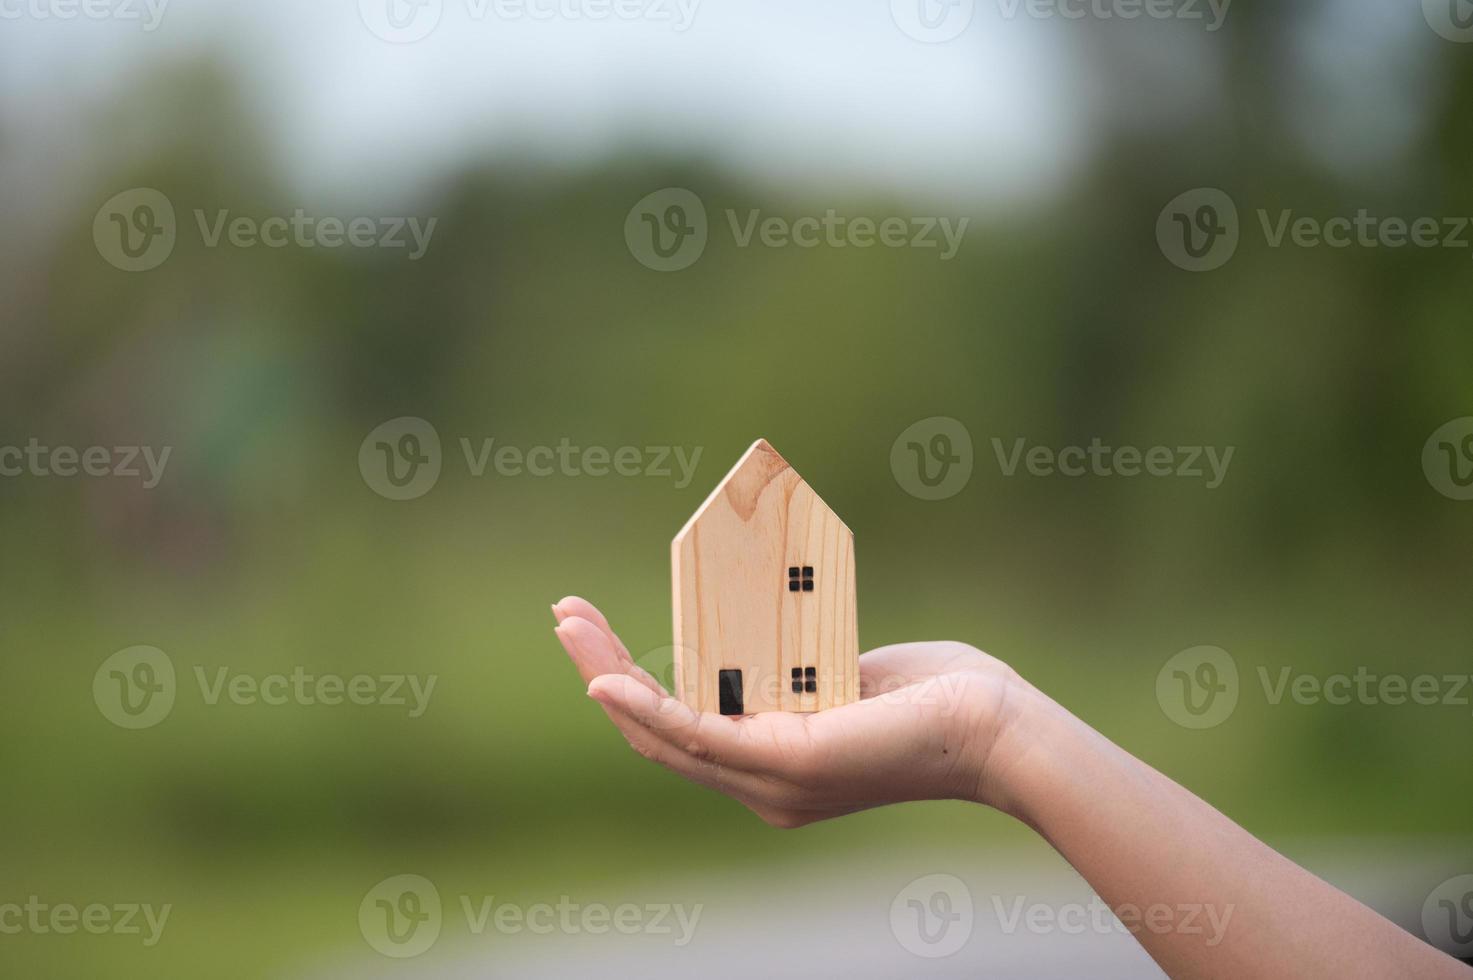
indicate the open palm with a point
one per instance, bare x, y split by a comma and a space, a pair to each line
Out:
926, 727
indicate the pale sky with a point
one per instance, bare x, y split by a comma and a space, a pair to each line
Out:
831, 92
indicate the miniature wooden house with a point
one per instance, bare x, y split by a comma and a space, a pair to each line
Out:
763, 579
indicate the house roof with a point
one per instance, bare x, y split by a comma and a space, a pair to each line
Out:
759, 466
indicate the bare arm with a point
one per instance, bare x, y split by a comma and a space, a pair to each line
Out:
1151, 848
945, 721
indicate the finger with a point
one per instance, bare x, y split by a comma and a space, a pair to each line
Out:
647, 723
752, 791
576, 606
769, 744
594, 654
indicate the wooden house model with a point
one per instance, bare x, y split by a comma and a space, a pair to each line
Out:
763, 580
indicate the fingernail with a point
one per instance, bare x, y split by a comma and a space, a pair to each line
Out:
555, 614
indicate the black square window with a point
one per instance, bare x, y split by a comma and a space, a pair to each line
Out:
800, 579
805, 680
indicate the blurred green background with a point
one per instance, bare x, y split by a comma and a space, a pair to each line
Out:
529, 321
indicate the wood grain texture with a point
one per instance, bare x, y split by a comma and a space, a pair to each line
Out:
733, 608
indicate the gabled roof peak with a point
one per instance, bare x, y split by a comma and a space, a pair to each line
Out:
761, 448
758, 467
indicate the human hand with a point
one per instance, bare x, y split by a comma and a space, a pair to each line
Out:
934, 722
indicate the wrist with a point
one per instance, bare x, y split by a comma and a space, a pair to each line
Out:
1030, 741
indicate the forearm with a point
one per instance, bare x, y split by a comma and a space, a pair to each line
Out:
1202, 895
